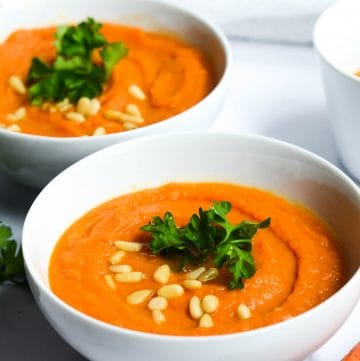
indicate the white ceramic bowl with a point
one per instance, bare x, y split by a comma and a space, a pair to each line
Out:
337, 40
34, 160
152, 161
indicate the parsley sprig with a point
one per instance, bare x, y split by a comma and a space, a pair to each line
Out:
74, 74
11, 259
208, 235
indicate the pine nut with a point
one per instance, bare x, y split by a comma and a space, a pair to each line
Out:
130, 277
129, 126
75, 117
139, 296
122, 117
170, 291
128, 246
157, 303
136, 92
112, 114
133, 109
193, 275
94, 107
162, 274
206, 321
158, 317
208, 275
19, 114
83, 106
17, 84
11, 117
99, 131
195, 308
14, 128
64, 105
110, 281
210, 303
116, 257
192, 284
243, 312
120, 268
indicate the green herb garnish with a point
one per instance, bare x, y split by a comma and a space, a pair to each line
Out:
208, 235
11, 259
74, 74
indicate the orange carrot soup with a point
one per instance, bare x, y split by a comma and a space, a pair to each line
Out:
140, 262
54, 84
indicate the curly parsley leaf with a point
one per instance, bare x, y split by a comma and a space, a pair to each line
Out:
73, 73
11, 259
208, 235
111, 54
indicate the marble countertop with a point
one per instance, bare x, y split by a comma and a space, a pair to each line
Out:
275, 91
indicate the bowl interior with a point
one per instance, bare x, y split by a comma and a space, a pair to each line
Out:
337, 37
150, 162
149, 15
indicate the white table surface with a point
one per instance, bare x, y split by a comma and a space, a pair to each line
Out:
275, 91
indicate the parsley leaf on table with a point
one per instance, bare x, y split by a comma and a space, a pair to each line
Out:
11, 259
208, 235
73, 73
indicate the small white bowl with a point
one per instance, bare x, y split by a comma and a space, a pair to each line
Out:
35, 160
152, 161
337, 40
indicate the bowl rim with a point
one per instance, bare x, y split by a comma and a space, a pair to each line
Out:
119, 330
317, 39
211, 26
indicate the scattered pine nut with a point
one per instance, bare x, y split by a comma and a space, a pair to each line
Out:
94, 107
75, 117
128, 246
139, 296
11, 117
88, 107
170, 291
208, 275
17, 84
133, 109
157, 303
162, 274
122, 117
195, 308
116, 257
110, 281
99, 131
14, 128
243, 312
83, 106
158, 317
192, 284
129, 126
136, 92
19, 114
131, 277
120, 268
210, 303
206, 321
196, 273
64, 105
112, 114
